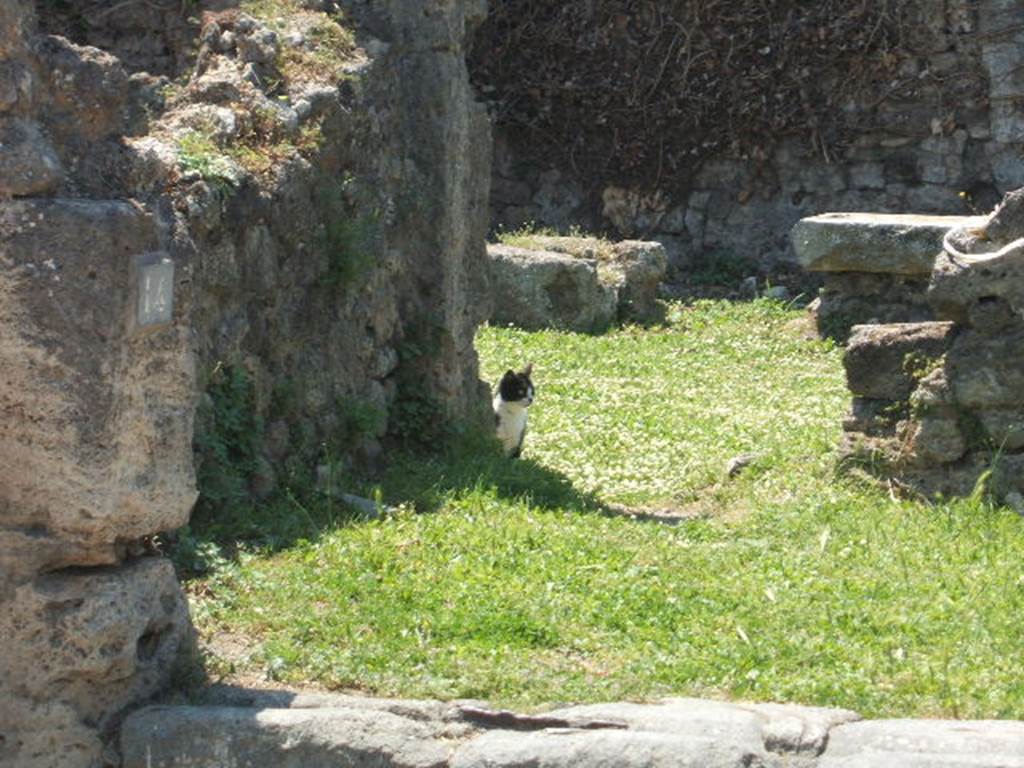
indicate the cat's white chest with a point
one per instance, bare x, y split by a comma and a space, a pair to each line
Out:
511, 424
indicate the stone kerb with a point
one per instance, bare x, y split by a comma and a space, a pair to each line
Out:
875, 266
289, 729
327, 729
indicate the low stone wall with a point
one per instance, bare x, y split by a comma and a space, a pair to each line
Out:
875, 266
938, 406
575, 283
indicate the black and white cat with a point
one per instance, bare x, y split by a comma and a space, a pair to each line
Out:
515, 395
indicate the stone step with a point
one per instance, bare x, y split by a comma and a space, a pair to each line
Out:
900, 244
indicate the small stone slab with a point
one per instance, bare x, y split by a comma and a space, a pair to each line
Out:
926, 744
901, 244
283, 738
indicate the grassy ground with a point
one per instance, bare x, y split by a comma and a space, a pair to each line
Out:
509, 580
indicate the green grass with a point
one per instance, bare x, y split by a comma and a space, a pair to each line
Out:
504, 580
573, 241
330, 45
199, 153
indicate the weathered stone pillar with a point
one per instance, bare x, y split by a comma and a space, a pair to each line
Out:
96, 403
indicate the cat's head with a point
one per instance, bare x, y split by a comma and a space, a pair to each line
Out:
517, 387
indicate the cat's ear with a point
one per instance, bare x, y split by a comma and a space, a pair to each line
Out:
528, 369
509, 374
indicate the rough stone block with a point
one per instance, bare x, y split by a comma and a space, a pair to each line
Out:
46, 735
902, 244
15, 84
88, 85
636, 268
960, 282
937, 439
987, 372
926, 744
859, 298
1007, 120
28, 163
871, 417
880, 360
286, 738
543, 289
101, 637
867, 176
94, 640
1004, 427
1004, 61
16, 17
1004, 157
97, 448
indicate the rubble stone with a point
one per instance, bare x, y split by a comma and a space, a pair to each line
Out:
28, 163
884, 361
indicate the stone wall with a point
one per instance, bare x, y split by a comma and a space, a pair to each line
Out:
949, 123
179, 226
938, 406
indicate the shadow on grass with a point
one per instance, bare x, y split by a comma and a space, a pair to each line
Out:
216, 535
429, 482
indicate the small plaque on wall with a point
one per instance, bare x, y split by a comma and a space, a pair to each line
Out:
155, 289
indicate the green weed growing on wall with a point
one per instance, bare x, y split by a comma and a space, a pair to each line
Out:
348, 238
359, 419
198, 153
227, 442
418, 419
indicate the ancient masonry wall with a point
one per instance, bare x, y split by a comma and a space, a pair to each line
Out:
135, 286
938, 405
961, 130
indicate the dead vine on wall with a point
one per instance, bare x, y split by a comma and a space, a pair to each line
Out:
642, 90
